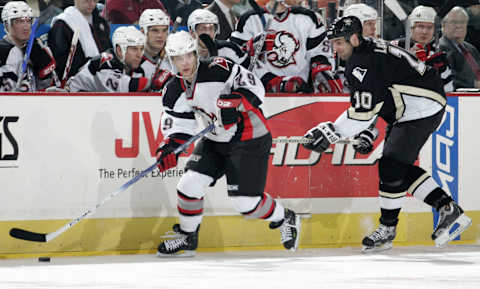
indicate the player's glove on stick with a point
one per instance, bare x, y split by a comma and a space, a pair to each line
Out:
322, 136
160, 78
268, 44
228, 105
324, 80
366, 139
288, 84
166, 158
43, 62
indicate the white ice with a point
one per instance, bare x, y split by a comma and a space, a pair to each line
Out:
454, 267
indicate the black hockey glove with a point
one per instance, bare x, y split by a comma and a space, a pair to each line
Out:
366, 139
42, 58
322, 136
228, 105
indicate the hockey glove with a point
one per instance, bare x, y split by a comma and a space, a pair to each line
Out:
289, 84
160, 78
43, 62
420, 52
322, 136
366, 139
228, 105
268, 44
166, 158
324, 81
438, 60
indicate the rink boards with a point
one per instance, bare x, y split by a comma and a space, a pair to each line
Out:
61, 155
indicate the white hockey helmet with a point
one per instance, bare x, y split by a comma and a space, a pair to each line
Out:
361, 11
126, 36
422, 14
202, 16
152, 17
13, 10
180, 43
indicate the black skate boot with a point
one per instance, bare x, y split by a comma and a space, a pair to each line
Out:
380, 239
289, 229
451, 223
182, 244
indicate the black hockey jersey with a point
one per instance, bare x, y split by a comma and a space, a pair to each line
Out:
185, 107
388, 81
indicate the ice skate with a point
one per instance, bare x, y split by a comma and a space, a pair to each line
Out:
451, 223
182, 244
289, 229
379, 240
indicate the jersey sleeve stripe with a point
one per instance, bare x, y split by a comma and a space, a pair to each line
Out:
184, 115
314, 42
363, 116
249, 96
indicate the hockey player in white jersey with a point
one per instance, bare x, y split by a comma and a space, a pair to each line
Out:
154, 23
296, 56
17, 19
367, 15
388, 82
217, 91
203, 21
423, 43
118, 70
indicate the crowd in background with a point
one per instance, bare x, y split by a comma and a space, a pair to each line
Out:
461, 50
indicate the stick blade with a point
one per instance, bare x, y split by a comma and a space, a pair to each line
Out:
27, 235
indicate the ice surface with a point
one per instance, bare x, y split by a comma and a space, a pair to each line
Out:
453, 267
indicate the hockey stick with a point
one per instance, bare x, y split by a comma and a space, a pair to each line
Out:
177, 22
27, 53
398, 11
46, 237
303, 140
71, 54
266, 24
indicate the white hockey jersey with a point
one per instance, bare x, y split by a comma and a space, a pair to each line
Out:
149, 64
300, 38
185, 110
105, 73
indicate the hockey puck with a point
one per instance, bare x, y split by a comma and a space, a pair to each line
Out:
44, 259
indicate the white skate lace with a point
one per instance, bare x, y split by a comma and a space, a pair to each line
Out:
286, 231
173, 244
379, 233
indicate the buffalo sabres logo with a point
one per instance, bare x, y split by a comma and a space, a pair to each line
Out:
284, 50
220, 61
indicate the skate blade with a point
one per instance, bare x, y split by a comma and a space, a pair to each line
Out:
376, 249
179, 254
463, 223
298, 226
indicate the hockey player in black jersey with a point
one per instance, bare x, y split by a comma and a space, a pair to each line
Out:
296, 56
203, 21
217, 91
118, 70
389, 82
17, 18
424, 45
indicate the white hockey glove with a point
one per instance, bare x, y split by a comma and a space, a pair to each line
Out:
366, 139
322, 136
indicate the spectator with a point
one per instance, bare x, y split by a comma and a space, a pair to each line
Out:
129, 11
464, 58
94, 36
226, 16
182, 8
473, 28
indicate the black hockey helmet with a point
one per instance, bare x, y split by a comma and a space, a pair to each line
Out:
345, 27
